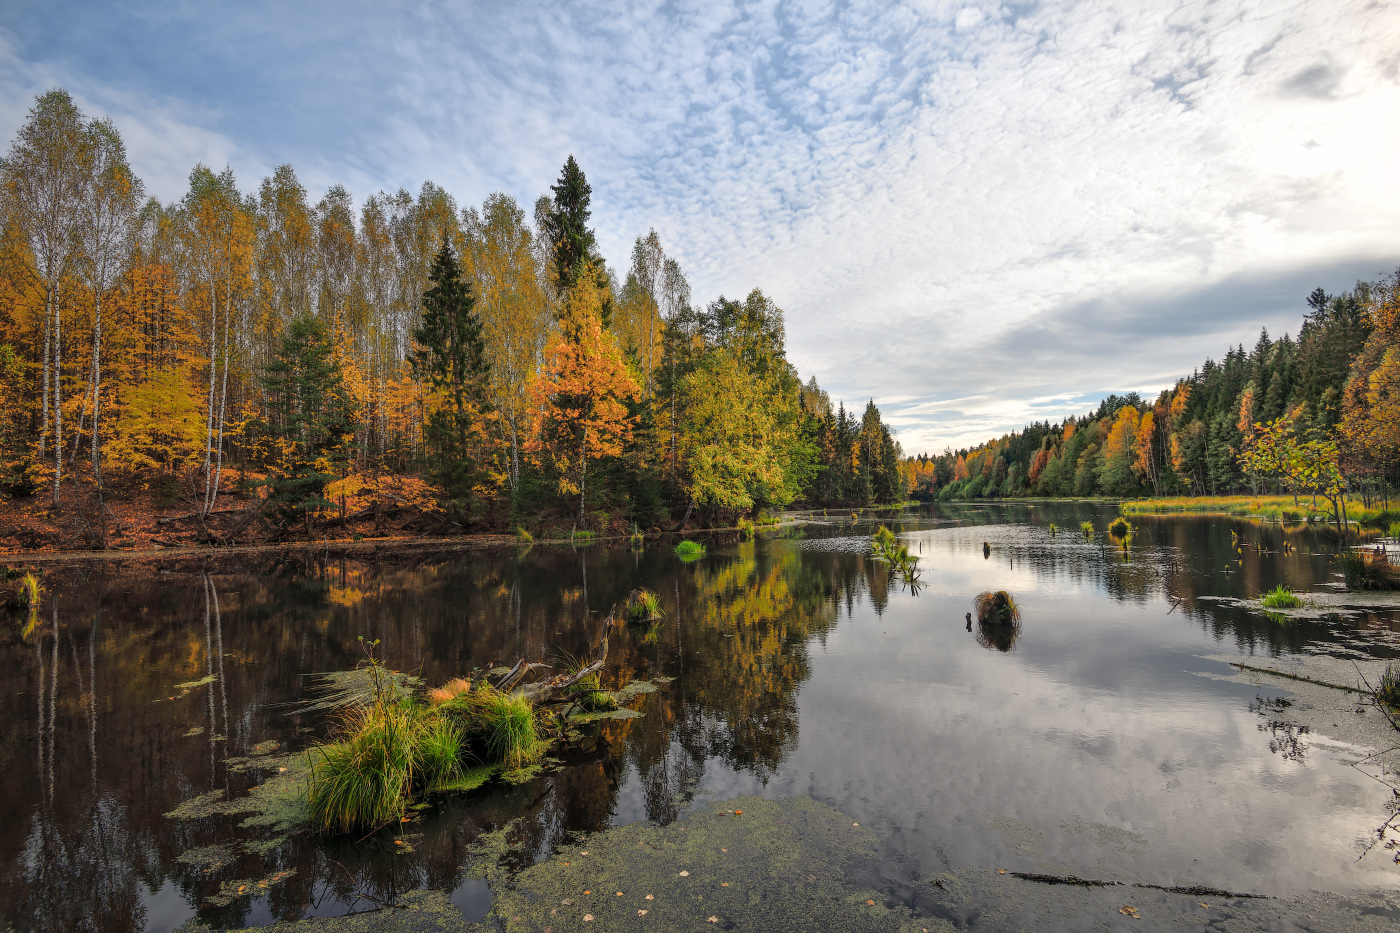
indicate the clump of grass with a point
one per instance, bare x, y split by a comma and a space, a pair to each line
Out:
522, 536
1365, 572
1120, 527
642, 606
505, 724
636, 541
362, 781
1053, 529
1086, 529
1394, 531
448, 691
28, 595
437, 752
583, 535
1281, 597
999, 607
1389, 690
746, 527
690, 550
986, 549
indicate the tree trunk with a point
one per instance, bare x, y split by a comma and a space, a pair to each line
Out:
48, 329
213, 373
223, 400
57, 397
96, 403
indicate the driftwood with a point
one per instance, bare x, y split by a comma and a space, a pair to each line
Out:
543, 691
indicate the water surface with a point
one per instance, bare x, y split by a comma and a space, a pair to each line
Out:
1100, 741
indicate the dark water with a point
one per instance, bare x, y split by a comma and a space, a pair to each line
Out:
1093, 744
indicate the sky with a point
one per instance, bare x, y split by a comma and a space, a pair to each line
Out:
976, 214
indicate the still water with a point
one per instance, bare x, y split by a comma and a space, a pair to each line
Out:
1101, 741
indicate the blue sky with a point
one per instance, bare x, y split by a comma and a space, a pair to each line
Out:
975, 213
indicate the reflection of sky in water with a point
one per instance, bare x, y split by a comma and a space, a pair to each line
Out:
1093, 748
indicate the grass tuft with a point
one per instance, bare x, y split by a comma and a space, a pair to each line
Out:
1086, 529
690, 550
1120, 527
998, 607
643, 606
361, 781
505, 724
1389, 690
1052, 529
448, 691
746, 527
522, 536
1281, 597
29, 592
1365, 571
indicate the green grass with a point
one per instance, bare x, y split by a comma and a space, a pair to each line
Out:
362, 781
583, 535
438, 752
1263, 508
1281, 597
1394, 531
746, 528
504, 724
690, 550
636, 541
642, 606
1086, 529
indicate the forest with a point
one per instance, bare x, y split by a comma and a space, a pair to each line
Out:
1315, 414
260, 367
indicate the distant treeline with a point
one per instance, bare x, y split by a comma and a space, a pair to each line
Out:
1336, 386
479, 365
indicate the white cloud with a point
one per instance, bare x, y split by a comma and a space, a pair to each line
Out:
949, 200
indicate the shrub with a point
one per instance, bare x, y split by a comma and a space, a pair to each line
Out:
1281, 597
522, 536
690, 550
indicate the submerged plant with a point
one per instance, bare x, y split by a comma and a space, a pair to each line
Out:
689, 550
1281, 597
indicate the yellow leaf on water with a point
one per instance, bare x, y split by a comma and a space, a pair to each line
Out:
871, 903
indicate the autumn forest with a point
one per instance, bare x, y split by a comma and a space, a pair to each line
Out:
276, 368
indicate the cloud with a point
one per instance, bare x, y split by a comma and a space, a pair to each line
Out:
950, 200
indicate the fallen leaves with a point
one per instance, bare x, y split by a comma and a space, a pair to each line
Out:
869, 903
1131, 911
1001, 871
567, 902
650, 898
685, 874
712, 919
641, 913
587, 918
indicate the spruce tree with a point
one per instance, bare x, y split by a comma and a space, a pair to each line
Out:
451, 355
567, 225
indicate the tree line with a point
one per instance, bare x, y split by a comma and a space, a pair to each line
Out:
483, 365
1303, 415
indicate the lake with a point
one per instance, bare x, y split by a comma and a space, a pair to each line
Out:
1107, 738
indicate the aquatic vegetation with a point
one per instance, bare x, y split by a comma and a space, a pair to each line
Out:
689, 550
986, 549
642, 606
1394, 531
363, 780
28, 593
746, 528
889, 549
1052, 529
522, 536
636, 541
504, 723
1086, 529
1367, 571
1281, 597
1388, 692
582, 536
1120, 527
999, 607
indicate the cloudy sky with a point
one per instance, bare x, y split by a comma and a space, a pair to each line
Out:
977, 214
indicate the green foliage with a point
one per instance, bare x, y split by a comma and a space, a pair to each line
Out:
504, 723
1281, 597
571, 240
887, 548
1052, 528
1394, 531
438, 752
1086, 529
313, 417
746, 528
451, 355
522, 536
690, 550
362, 781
